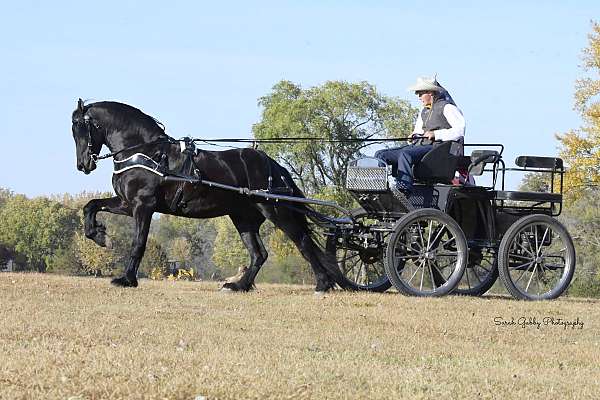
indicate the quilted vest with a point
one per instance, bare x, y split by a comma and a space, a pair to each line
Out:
433, 119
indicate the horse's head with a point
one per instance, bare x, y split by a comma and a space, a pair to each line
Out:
87, 136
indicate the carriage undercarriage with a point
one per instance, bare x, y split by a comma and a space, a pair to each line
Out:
459, 238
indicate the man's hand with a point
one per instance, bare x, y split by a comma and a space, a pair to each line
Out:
429, 135
413, 138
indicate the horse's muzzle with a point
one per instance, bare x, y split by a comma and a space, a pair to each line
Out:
86, 166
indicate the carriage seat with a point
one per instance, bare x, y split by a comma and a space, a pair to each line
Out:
439, 165
541, 197
540, 164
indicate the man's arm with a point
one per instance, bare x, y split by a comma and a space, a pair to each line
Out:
456, 121
418, 125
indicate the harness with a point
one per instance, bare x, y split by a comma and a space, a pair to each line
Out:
138, 160
189, 171
189, 174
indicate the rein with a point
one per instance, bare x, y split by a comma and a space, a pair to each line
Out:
96, 157
187, 143
297, 140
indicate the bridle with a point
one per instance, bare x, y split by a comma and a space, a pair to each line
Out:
89, 123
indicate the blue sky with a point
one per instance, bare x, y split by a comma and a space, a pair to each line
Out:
200, 67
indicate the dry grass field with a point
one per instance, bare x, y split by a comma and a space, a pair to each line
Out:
80, 338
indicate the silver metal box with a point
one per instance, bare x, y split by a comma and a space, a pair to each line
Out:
367, 175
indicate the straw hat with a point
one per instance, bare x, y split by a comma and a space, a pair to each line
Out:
425, 84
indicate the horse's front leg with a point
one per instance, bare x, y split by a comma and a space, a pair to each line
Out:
96, 231
142, 214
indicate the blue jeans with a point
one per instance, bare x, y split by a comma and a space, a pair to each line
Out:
404, 158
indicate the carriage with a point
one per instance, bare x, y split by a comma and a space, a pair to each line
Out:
456, 237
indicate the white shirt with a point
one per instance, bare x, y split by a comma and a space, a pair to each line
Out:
455, 119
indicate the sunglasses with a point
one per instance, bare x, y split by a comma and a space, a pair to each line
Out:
419, 93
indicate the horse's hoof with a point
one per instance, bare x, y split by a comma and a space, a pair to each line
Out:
235, 287
324, 287
102, 240
320, 293
124, 282
229, 287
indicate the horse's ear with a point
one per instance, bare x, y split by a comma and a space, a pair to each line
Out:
80, 105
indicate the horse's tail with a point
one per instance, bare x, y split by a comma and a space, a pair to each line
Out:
310, 239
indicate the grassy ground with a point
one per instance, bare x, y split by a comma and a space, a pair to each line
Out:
80, 338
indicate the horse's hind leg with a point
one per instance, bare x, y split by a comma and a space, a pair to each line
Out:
248, 227
294, 225
95, 230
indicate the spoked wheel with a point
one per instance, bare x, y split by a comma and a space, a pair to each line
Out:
536, 258
481, 273
426, 254
360, 256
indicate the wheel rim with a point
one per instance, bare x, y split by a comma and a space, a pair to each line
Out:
538, 259
426, 255
362, 266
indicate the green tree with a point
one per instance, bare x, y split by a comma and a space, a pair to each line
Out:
155, 256
291, 267
580, 148
94, 260
199, 234
36, 228
77, 201
120, 228
181, 251
337, 110
5, 194
65, 262
536, 182
229, 252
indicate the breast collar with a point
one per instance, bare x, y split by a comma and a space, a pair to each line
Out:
138, 160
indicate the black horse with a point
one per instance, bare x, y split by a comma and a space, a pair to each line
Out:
140, 192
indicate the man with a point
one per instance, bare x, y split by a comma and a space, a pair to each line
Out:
439, 119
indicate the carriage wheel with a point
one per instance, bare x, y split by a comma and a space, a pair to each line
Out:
426, 254
481, 273
536, 258
363, 267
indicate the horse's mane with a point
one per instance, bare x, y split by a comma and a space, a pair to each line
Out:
122, 115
